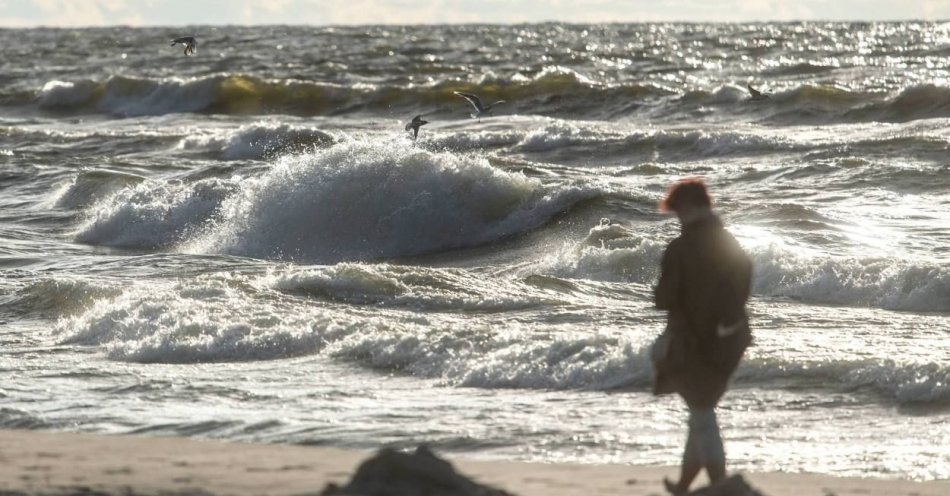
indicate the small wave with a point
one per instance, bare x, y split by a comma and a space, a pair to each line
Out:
610, 252
11, 418
802, 68
570, 139
214, 319
809, 103
203, 319
884, 283
685, 145
155, 215
415, 287
905, 383
91, 186
222, 317
260, 141
66, 95
224, 94
61, 296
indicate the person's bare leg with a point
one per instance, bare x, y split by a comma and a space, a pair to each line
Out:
716, 471
709, 442
692, 462
688, 473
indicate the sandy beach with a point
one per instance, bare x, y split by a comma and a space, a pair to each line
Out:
66, 463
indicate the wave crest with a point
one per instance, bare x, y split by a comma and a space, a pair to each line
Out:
356, 200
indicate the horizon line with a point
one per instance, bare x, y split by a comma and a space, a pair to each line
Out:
500, 23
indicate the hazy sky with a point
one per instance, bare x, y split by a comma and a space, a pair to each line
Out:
20, 13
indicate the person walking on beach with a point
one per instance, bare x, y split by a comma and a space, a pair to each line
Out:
704, 284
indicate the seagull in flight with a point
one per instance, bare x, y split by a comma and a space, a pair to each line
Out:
476, 102
416, 123
191, 44
756, 94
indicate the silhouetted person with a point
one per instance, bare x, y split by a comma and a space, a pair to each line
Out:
703, 286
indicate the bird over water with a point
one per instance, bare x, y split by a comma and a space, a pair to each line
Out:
756, 94
480, 110
191, 44
416, 123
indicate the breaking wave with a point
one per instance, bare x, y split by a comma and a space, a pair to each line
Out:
222, 317
353, 201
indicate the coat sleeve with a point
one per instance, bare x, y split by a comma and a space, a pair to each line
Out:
667, 290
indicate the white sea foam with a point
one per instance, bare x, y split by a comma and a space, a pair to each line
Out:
560, 134
355, 200
223, 317
609, 252
360, 200
155, 214
879, 282
204, 319
612, 252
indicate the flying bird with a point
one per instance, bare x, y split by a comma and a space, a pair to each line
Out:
756, 94
191, 44
476, 102
416, 123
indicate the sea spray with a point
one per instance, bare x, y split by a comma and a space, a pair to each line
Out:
364, 199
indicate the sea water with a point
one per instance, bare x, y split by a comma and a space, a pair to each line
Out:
246, 244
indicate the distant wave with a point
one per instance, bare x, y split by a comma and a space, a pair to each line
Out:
550, 92
808, 103
569, 141
801, 68
353, 201
553, 92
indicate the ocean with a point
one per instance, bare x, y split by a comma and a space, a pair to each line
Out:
245, 244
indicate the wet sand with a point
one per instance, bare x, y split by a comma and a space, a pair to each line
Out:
65, 463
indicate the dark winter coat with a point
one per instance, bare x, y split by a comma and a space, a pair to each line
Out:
704, 285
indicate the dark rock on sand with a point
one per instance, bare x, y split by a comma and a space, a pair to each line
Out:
730, 486
392, 473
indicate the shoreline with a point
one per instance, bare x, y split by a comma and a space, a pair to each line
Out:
39, 462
